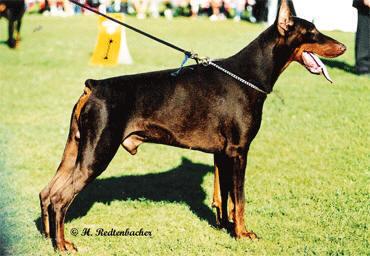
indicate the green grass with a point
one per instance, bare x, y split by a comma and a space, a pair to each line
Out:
307, 185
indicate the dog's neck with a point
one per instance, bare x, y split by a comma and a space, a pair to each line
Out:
263, 60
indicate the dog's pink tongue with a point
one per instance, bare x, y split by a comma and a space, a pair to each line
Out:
315, 65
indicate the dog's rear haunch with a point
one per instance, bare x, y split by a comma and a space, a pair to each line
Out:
201, 108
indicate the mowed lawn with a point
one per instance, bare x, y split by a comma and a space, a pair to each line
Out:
307, 185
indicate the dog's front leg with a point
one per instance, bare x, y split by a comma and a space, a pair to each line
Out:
237, 195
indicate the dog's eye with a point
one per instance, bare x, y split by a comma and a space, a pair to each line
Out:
309, 33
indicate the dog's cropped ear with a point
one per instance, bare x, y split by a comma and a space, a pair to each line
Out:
284, 19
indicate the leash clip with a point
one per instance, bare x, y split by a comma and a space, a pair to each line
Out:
205, 61
199, 60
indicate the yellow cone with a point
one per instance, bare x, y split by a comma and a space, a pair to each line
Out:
111, 47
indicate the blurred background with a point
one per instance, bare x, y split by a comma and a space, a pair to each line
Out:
327, 15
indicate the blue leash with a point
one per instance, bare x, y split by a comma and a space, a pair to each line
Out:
177, 72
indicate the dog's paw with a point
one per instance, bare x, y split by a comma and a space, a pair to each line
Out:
12, 43
227, 225
46, 235
67, 246
247, 234
70, 246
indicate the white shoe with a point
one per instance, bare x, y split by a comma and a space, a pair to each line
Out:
140, 16
213, 17
168, 14
236, 18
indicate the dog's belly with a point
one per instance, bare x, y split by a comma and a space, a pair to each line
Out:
205, 139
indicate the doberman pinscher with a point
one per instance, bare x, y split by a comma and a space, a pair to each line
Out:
201, 108
13, 10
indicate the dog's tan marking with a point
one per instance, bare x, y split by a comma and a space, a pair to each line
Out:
82, 101
216, 203
328, 50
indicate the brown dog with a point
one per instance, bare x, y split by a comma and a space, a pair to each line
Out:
202, 109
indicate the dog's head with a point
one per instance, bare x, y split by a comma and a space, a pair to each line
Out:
306, 41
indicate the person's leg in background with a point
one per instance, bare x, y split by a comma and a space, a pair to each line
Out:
194, 5
53, 7
272, 10
216, 6
260, 11
240, 7
362, 45
154, 8
140, 8
68, 8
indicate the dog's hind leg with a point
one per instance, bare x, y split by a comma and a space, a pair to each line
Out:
100, 139
68, 161
65, 167
222, 189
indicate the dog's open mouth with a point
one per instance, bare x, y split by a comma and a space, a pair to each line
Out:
315, 65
